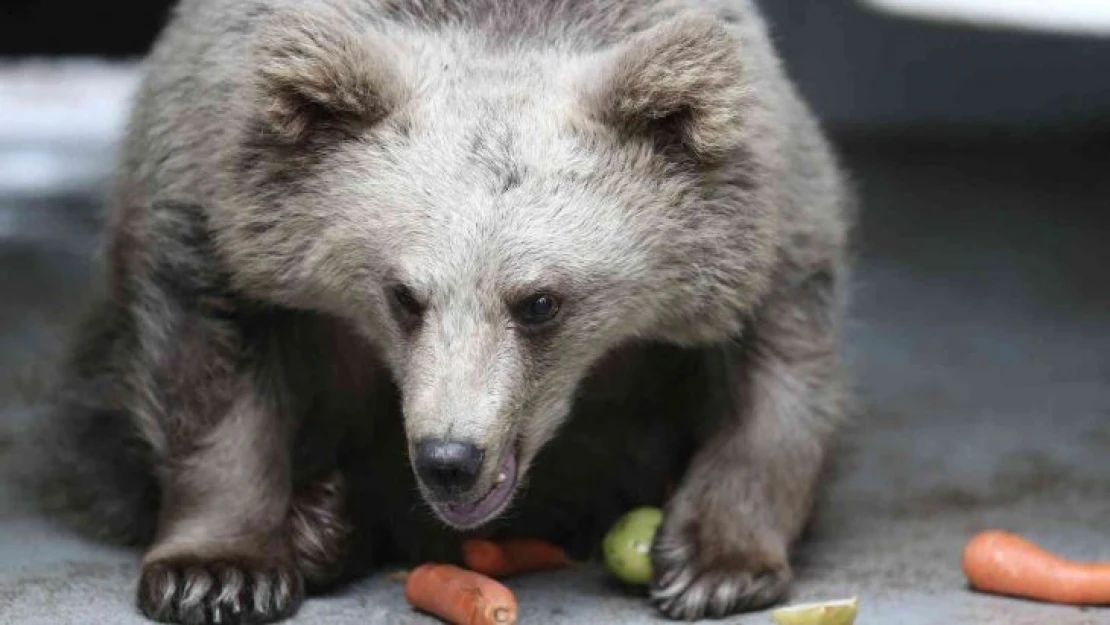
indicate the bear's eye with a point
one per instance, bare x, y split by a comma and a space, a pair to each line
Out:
537, 309
407, 301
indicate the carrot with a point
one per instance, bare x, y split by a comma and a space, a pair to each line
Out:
459, 596
1004, 563
512, 557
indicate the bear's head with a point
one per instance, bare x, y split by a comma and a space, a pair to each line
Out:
496, 217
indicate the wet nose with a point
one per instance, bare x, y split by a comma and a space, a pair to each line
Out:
448, 468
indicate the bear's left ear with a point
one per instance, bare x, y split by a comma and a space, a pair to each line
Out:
681, 84
317, 70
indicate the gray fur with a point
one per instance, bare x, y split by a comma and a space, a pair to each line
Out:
289, 165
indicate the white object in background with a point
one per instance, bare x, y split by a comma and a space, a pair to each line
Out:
73, 100
60, 122
1082, 17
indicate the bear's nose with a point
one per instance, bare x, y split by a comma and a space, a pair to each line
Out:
448, 468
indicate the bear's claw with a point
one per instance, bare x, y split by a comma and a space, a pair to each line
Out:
689, 587
192, 591
691, 595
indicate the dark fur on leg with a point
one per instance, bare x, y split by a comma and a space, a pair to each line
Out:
320, 531
99, 476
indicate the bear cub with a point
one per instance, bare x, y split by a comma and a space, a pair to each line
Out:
384, 274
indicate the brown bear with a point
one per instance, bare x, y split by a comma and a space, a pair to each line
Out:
382, 274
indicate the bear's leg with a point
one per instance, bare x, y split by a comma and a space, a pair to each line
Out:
746, 495
209, 392
235, 543
223, 552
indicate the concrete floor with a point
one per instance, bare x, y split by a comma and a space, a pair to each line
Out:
981, 339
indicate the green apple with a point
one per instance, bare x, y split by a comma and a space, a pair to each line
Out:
627, 546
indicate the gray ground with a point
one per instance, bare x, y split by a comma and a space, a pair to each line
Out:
982, 342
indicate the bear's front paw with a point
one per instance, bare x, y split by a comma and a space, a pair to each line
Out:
225, 591
703, 572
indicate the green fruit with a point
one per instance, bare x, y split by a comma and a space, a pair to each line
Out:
627, 546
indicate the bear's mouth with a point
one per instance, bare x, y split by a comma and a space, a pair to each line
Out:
471, 514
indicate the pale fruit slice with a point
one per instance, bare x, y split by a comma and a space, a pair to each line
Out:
825, 613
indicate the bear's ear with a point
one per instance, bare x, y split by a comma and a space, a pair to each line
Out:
681, 84
318, 71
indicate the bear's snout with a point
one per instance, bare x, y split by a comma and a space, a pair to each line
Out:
449, 469
456, 481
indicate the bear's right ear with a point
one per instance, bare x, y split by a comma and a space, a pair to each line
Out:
681, 84
320, 72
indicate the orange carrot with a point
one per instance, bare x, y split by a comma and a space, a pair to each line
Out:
512, 556
459, 596
1004, 563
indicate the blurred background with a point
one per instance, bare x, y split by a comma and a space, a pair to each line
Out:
977, 133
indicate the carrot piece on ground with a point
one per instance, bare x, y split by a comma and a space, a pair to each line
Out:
1004, 563
512, 556
460, 597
